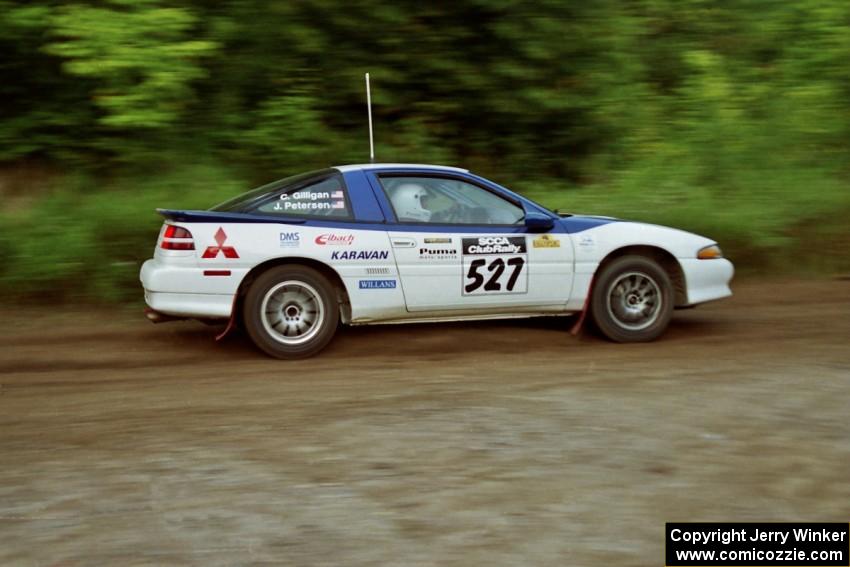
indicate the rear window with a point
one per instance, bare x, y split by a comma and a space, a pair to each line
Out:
323, 198
247, 201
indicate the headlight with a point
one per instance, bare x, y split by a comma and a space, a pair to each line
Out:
710, 252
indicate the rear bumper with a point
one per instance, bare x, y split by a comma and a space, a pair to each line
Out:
184, 291
707, 280
190, 304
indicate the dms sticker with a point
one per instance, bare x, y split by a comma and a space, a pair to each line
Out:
290, 239
377, 284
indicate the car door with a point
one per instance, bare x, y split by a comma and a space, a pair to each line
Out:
462, 246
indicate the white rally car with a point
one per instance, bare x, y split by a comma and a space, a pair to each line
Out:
392, 243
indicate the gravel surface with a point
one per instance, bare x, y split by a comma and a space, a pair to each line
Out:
506, 443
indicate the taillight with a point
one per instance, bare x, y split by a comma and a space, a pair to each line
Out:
177, 238
172, 231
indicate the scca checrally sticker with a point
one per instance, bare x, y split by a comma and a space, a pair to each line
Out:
494, 265
494, 245
765, 544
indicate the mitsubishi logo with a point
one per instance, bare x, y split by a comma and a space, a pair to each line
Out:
220, 238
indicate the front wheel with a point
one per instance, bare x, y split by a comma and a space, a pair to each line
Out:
632, 300
291, 312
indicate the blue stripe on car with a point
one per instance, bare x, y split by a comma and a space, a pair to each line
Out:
371, 208
569, 225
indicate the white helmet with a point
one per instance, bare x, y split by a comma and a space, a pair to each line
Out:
407, 201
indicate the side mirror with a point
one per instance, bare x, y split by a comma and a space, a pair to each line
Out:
538, 222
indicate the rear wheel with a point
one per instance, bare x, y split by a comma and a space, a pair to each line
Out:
291, 312
632, 300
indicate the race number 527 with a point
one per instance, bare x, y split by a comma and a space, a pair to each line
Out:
494, 275
494, 264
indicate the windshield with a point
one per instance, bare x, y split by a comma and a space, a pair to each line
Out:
238, 203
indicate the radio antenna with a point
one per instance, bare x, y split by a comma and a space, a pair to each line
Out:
369, 110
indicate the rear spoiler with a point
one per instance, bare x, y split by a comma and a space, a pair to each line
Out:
221, 216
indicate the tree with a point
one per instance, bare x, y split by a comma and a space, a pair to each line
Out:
141, 59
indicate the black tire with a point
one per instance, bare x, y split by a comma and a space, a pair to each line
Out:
632, 300
291, 312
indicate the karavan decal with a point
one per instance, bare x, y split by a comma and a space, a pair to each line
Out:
360, 255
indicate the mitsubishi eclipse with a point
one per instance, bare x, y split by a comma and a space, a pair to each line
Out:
393, 243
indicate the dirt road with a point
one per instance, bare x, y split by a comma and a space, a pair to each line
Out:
508, 443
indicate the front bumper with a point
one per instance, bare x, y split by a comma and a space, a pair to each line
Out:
707, 280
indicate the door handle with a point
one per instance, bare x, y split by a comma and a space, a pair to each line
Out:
401, 242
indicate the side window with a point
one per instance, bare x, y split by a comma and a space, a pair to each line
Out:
441, 200
325, 198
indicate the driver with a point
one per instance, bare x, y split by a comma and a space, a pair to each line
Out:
409, 201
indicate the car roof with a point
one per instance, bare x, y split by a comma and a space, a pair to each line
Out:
361, 166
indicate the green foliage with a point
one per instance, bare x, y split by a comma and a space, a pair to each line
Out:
288, 130
729, 118
77, 244
139, 55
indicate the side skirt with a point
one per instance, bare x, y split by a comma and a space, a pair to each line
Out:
455, 318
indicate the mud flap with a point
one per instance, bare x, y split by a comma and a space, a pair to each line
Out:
577, 327
231, 323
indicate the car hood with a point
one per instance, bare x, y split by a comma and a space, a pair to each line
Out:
579, 223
